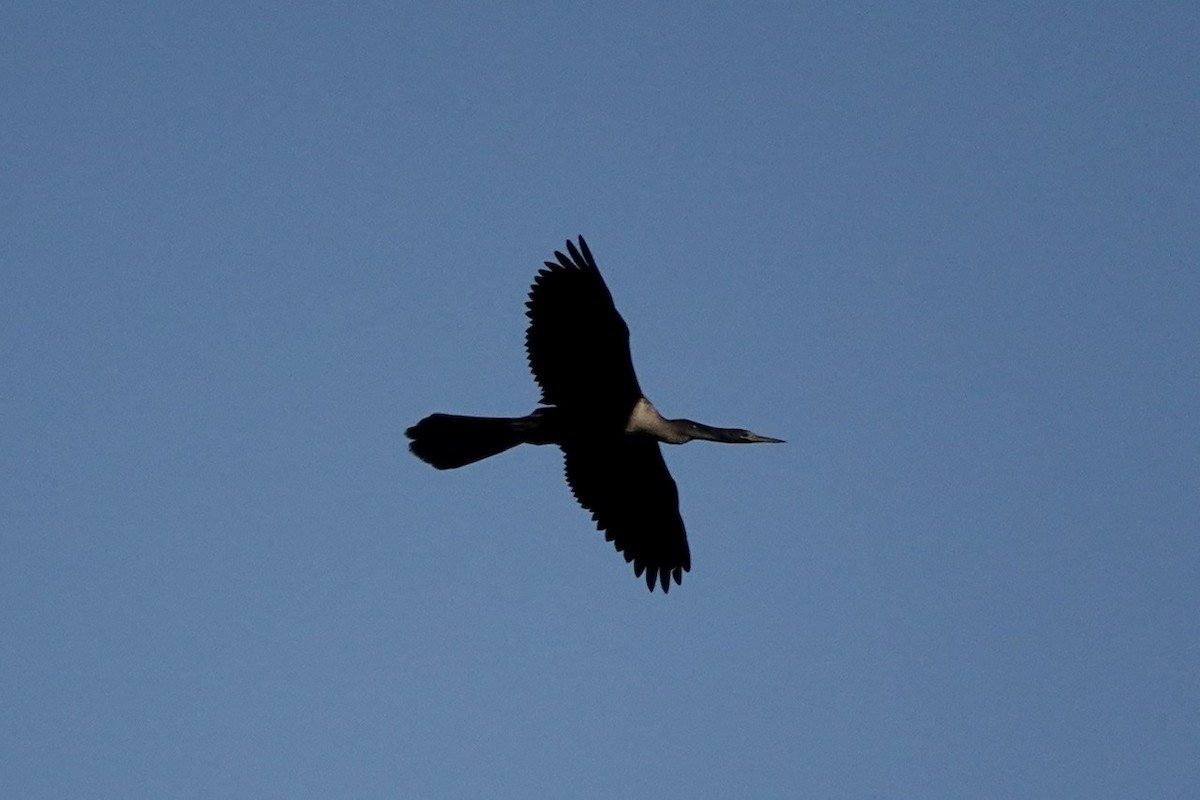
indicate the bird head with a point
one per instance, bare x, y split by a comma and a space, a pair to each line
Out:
698, 430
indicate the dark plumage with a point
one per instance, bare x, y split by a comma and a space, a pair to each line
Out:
594, 409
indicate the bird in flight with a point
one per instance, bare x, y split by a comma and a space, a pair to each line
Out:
593, 409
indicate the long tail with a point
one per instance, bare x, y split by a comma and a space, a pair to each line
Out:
448, 441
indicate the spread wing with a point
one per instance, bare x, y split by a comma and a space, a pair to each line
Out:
577, 343
624, 482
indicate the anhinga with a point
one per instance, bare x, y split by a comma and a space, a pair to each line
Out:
593, 408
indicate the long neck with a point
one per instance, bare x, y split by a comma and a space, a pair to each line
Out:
645, 419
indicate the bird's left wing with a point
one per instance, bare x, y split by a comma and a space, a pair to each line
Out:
624, 482
577, 343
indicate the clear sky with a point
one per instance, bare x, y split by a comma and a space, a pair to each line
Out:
948, 250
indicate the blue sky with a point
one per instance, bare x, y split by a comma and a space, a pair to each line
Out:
947, 250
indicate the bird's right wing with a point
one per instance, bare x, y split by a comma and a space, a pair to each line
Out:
624, 482
577, 343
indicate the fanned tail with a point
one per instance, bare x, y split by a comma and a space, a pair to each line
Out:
449, 441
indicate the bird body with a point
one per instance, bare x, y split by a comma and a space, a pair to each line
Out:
594, 410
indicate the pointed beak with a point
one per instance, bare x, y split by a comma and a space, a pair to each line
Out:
754, 438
